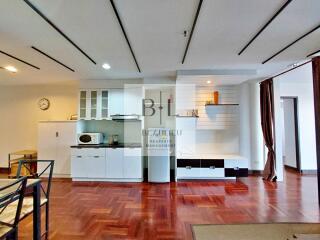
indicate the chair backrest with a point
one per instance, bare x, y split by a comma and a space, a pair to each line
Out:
46, 171
13, 192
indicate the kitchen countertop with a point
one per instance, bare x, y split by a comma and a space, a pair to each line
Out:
106, 145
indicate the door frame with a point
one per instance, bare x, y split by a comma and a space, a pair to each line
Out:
296, 129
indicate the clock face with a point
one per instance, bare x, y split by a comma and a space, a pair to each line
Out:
44, 104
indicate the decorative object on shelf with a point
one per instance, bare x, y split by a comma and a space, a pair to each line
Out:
195, 113
74, 117
215, 97
44, 104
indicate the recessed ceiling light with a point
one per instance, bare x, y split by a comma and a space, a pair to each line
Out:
208, 81
11, 69
106, 66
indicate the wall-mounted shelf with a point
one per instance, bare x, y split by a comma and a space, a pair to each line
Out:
221, 104
179, 116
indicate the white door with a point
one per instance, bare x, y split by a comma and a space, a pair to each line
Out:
96, 167
116, 102
66, 137
132, 163
47, 143
47, 139
114, 159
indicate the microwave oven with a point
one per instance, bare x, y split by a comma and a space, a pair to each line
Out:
90, 138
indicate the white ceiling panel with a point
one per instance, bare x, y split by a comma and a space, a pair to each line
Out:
155, 30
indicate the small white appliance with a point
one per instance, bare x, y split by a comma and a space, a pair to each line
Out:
90, 138
158, 155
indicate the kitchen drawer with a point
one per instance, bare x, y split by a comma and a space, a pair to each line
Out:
212, 172
232, 163
216, 163
188, 172
236, 172
194, 163
88, 152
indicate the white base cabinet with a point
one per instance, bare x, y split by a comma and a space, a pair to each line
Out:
114, 162
107, 164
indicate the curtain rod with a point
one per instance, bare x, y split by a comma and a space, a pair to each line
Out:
289, 70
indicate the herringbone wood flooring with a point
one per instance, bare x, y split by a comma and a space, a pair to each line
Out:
166, 211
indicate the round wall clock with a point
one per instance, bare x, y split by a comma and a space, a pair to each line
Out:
44, 103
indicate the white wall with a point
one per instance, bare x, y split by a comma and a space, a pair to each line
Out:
256, 137
20, 113
216, 131
299, 83
245, 122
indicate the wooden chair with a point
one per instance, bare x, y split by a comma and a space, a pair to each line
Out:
11, 198
46, 172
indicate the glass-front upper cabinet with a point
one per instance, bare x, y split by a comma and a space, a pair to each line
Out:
93, 104
83, 105
104, 104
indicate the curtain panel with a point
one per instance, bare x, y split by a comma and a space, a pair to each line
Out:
267, 124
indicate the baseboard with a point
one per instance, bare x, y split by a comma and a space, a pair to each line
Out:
291, 168
255, 172
309, 172
4, 170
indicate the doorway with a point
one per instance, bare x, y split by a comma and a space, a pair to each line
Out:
290, 134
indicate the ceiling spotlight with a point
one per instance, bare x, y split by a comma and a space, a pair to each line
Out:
208, 81
106, 66
11, 69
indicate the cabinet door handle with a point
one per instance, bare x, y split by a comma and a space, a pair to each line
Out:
79, 156
96, 156
212, 167
188, 167
57, 134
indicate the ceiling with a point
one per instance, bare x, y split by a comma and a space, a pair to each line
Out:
155, 30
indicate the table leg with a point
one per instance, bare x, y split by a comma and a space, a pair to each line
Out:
36, 212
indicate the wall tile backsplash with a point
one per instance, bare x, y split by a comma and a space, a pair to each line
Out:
128, 132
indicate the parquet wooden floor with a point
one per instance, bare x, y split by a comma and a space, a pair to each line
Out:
166, 211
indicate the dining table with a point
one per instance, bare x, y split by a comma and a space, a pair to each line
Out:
34, 186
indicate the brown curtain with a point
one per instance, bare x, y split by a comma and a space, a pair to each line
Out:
266, 110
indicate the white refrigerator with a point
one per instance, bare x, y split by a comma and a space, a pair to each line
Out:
158, 146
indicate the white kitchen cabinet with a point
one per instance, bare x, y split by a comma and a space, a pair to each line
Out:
96, 167
54, 141
107, 164
132, 163
114, 159
100, 104
93, 104
133, 101
88, 163
116, 102
78, 166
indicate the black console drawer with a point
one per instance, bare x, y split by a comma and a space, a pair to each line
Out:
236, 172
216, 163
195, 163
